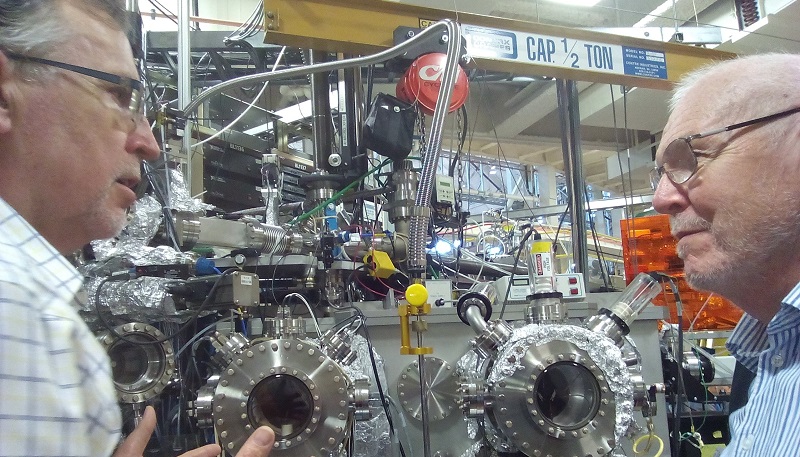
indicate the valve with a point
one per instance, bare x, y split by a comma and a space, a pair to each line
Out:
417, 298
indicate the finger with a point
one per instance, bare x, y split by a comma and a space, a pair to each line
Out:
259, 444
209, 450
135, 443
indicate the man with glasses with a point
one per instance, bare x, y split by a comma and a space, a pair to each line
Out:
72, 137
726, 172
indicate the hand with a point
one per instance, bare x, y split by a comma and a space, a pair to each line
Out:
259, 444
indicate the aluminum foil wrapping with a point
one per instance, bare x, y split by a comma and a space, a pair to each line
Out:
142, 300
179, 198
467, 365
371, 436
473, 450
605, 354
144, 218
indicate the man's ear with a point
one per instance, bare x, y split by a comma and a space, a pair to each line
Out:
6, 84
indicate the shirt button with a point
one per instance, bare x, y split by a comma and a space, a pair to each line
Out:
777, 361
746, 443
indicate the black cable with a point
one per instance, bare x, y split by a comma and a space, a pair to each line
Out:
600, 257
191, 320
514, 268
616, 143
677, 410
560, 221
462, 139
384, 402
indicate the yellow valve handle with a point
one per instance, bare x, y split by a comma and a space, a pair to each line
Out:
417, 295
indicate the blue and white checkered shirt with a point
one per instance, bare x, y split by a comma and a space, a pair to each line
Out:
766, 425
57, 397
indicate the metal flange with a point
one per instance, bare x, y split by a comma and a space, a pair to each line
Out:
141, 366
293, 387
557, 403
443, 383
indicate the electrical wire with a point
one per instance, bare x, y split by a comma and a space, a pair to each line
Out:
384, 402
308, 306
525, 237
246, 110
251, 26
336, 196
677, 412
699, 311
649, 437
199, 335
598, 251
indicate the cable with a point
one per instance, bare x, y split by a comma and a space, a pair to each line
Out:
308, 306
137, 342
200, 335
384, 402
678, 406
705, 303
514, 268
558, 229
600, 256
336, 196
249, 106
650, 436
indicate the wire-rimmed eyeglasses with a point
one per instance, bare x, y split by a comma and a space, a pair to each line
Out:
679, 160
129, 97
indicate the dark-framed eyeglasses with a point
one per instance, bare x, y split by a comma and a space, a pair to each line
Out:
129, 97
679, 160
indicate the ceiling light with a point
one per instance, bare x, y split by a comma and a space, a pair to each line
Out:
655, 14
576, 2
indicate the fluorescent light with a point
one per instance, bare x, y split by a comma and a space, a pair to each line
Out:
655, 14
576, 2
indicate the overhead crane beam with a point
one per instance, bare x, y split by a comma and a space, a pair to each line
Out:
496, 44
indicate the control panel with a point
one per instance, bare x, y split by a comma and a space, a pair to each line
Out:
445, 190
569, 284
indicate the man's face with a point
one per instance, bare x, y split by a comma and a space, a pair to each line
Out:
81, 152
734, 219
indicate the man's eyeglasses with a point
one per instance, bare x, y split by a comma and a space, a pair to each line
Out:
129, 97
679, 161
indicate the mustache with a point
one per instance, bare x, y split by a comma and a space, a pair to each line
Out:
688, 224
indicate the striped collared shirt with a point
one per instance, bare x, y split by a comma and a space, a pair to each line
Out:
766, 425
57, 397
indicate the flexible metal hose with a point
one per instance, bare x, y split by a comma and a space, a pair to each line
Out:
380, 57
418, 227
275, 239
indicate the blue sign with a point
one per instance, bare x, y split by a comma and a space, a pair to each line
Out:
644, 62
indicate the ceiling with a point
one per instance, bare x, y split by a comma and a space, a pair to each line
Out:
515, 117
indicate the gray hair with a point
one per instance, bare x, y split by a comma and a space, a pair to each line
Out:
746, 87
34, 27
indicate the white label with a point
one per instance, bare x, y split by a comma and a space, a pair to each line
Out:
564, 52
544, 264
246, 280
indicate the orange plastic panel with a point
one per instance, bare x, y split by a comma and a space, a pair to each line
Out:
647, 245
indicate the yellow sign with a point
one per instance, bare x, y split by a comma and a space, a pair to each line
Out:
423, 23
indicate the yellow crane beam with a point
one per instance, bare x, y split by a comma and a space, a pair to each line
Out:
495, 44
